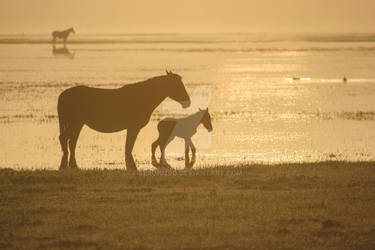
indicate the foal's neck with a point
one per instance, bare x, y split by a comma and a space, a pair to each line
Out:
196, 118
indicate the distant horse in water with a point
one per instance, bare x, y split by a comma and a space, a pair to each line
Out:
111, 110
62, 34
184, 128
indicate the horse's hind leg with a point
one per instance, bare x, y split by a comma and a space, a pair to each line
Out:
63, 138
64, 147
154, 145
73, 137
63, 142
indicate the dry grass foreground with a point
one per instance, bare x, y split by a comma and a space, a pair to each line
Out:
328, 205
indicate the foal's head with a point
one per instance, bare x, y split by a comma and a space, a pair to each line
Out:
177, 89
206, 119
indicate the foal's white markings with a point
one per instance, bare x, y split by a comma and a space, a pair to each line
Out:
184, 128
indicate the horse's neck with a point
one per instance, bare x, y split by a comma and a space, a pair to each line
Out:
195, 119
153, 93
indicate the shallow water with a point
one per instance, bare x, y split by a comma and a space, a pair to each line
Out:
260, 115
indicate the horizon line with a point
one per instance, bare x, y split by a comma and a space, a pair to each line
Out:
207, 32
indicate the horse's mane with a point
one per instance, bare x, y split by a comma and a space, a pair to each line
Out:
157, 79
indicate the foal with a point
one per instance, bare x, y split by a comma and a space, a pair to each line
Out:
184, 128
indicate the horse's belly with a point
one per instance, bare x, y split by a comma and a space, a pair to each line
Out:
109, 124
106, 125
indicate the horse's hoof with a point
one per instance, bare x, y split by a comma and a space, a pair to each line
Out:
73, 165
61, 168
154, 163
190, 165
166, 166
131, 170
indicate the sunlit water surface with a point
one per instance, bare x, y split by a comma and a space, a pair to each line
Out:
260, 114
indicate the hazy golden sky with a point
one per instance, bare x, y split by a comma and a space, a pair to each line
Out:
42, 16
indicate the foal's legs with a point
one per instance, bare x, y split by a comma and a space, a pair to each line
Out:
163, 144
130, 140
189, 144
72, 145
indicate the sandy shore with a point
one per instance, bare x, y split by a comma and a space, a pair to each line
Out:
329, 205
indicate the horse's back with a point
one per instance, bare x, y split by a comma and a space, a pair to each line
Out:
105, 110
82, 95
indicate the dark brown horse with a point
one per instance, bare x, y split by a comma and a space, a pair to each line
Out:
112, 110
62, 34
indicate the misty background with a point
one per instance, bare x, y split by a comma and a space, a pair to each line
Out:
144, 16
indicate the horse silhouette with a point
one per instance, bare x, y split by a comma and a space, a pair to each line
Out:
184, 128
111, 110
62, 34
62, 51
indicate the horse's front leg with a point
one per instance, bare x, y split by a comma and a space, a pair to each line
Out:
130, 140
187, 148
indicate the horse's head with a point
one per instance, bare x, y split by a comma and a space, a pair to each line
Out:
177, 89
72, 30
206, 119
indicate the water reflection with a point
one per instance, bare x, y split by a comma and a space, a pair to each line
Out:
62, 51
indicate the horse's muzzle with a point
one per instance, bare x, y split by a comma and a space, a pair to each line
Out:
185, 104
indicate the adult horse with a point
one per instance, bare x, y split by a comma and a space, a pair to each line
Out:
62, 34
111, 110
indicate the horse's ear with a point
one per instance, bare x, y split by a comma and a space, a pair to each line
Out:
207, 109
200, 109
166, 71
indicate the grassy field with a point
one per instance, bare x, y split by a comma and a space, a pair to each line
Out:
329, 205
